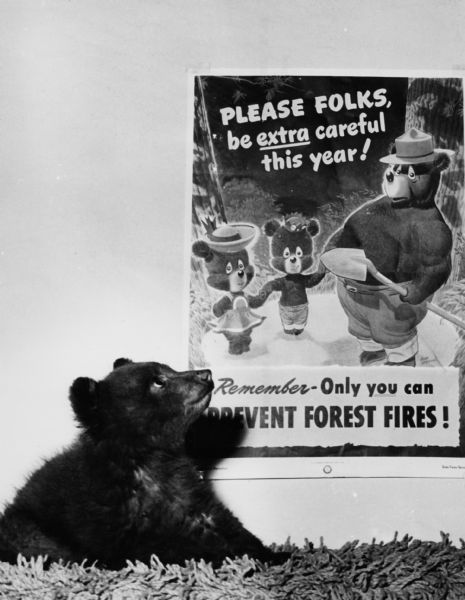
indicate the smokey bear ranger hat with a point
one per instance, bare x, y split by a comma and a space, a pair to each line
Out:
414, 147
232, 237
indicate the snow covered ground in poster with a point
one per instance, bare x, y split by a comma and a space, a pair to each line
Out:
324, 341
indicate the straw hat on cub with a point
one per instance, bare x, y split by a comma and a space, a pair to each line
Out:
231, 237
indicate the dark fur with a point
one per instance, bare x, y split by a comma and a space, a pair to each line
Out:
126, 488
407, 240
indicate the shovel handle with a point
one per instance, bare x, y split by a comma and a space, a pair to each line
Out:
383, 279
445, 315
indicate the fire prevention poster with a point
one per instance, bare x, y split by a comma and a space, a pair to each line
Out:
327, 271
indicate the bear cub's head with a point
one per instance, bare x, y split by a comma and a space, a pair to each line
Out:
141, 404
291, 244
227, 271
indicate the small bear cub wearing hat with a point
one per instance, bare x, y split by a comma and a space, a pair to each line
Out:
291, 248
126, 488
229, 270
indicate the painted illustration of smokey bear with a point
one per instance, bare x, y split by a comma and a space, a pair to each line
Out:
405, 236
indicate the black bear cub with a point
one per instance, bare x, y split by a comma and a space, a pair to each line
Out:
126, 488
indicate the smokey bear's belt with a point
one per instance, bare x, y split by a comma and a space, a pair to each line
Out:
357, 287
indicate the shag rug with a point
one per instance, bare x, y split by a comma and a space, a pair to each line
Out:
404, 569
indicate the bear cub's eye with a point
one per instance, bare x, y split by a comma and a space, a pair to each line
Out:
298, 251
286, 253
240, 265
157, 383
229, 268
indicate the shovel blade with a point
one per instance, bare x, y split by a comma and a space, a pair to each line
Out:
350, 263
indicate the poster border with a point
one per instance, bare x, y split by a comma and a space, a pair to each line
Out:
254, 468
339, 468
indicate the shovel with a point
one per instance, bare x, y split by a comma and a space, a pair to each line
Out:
351, 263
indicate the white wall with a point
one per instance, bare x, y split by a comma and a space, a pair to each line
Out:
93, 123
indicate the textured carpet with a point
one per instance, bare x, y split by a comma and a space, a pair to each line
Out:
404, 569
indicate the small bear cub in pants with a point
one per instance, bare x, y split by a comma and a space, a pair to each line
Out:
126, 488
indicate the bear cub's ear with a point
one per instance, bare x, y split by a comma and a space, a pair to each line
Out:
120, 362
202, 250
83, 396
313, 227
271, 227
442, 162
